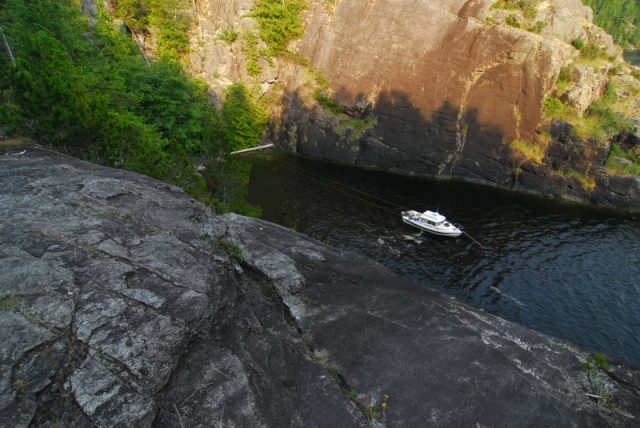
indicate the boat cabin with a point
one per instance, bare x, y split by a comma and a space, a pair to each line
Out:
432, 218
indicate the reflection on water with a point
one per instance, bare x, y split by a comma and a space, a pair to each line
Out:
563, 269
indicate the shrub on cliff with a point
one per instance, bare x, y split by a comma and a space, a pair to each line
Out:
622, 162
279, 22
578, 43
327, 102
553, 107
167, 19
508, 4
602, 120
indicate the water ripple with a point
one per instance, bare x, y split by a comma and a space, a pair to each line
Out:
560, 268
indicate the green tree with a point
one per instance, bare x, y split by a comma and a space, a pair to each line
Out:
168, 19
242, 119
166, 99
620, 18
134, 14
86, 90
228, 179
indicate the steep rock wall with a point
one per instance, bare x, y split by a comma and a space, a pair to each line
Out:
427, 88
442, 93
444, 89
221, 62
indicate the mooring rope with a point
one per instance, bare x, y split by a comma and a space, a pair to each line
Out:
471, 237
318, 178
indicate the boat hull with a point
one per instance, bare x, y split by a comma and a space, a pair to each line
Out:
450, 233
450, 230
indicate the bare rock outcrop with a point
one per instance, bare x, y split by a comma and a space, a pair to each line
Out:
589, 84
123, 302
448, 90
422, 60
120, 308
219, 44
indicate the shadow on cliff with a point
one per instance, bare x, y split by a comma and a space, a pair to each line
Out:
392, 133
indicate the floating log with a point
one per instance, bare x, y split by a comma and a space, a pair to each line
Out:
252, 149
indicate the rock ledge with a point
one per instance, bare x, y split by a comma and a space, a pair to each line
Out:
120, 307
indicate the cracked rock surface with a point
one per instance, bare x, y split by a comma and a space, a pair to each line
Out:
120, 307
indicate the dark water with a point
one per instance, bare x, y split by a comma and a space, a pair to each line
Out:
632, 56
563, 269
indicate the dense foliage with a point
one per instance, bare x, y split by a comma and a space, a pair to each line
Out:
620, 18
279, 22
86, 90
243, 120
168, 21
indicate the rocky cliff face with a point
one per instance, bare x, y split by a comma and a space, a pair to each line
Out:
123, 302
443, 91
444, 88
221, 62
432, 88
436, 80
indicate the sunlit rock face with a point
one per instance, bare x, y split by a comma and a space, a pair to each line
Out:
440, 89
447, 90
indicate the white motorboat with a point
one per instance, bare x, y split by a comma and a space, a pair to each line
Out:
431, 222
